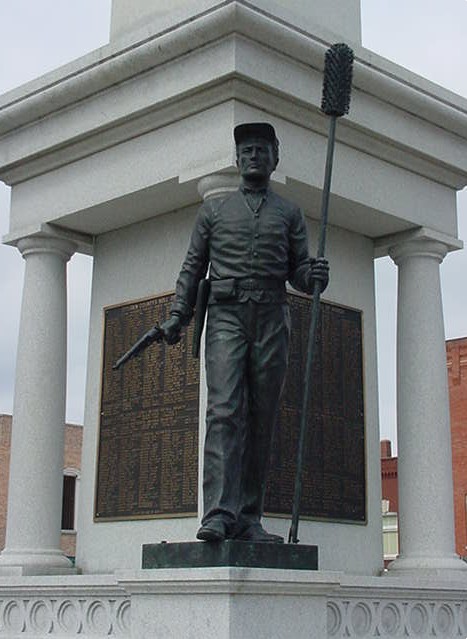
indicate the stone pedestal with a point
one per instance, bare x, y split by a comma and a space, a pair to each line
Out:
250, 603
226, 603
36, 466
231, 603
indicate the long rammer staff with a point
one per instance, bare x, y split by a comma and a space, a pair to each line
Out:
335, 102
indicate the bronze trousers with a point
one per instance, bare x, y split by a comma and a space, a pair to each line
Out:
246, 360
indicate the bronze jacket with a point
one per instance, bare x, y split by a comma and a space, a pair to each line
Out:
240, 242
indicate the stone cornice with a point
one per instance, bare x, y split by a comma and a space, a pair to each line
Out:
230, 87
108, 66
72, 113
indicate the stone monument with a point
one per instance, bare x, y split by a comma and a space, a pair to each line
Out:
112, 155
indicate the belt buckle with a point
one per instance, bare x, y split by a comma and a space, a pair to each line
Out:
248, 284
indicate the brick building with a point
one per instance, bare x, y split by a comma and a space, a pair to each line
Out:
457, 375
389, 476
456, 351
71, 474
390, 504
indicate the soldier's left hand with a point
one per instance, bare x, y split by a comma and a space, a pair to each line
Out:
320, 272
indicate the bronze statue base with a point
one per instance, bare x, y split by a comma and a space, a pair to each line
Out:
238, 554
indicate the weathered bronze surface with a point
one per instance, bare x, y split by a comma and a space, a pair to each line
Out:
148, 444
148, 439
230, 553
334, 484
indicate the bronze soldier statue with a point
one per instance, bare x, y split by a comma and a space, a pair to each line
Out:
253, 241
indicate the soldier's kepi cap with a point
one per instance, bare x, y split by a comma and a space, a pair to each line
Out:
262, 130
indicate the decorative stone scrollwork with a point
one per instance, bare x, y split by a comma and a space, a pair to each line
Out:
70, 617
13, 617
98, 618
445, 620
361, 618
390, 619
418, 619
385, 619
334, 619
40, 616
122, 617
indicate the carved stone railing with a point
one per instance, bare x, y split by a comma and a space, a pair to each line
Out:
229, 603
66, 607
396, 617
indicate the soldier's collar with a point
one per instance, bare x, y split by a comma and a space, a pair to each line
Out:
247, 189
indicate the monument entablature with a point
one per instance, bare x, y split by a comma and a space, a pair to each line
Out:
86, 126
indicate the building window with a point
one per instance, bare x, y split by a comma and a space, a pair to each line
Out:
69, 501
390, 533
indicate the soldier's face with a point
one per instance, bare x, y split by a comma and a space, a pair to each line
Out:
255, 159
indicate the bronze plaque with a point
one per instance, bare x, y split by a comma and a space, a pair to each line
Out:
334, 486
148, 440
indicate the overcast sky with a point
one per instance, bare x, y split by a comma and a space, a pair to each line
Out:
426, 36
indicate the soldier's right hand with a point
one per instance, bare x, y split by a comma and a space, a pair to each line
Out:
172, 330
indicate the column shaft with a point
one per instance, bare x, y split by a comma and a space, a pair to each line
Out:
426, 512
36, 466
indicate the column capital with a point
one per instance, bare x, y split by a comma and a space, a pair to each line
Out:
384, 245
418, 247
218, 185
45, 244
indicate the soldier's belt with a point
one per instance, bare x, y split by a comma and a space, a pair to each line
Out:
229, 288
257, 284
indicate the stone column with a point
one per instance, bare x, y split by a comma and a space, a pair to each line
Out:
426, 512
36, 466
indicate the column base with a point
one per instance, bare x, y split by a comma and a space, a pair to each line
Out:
450, 567
35, 562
